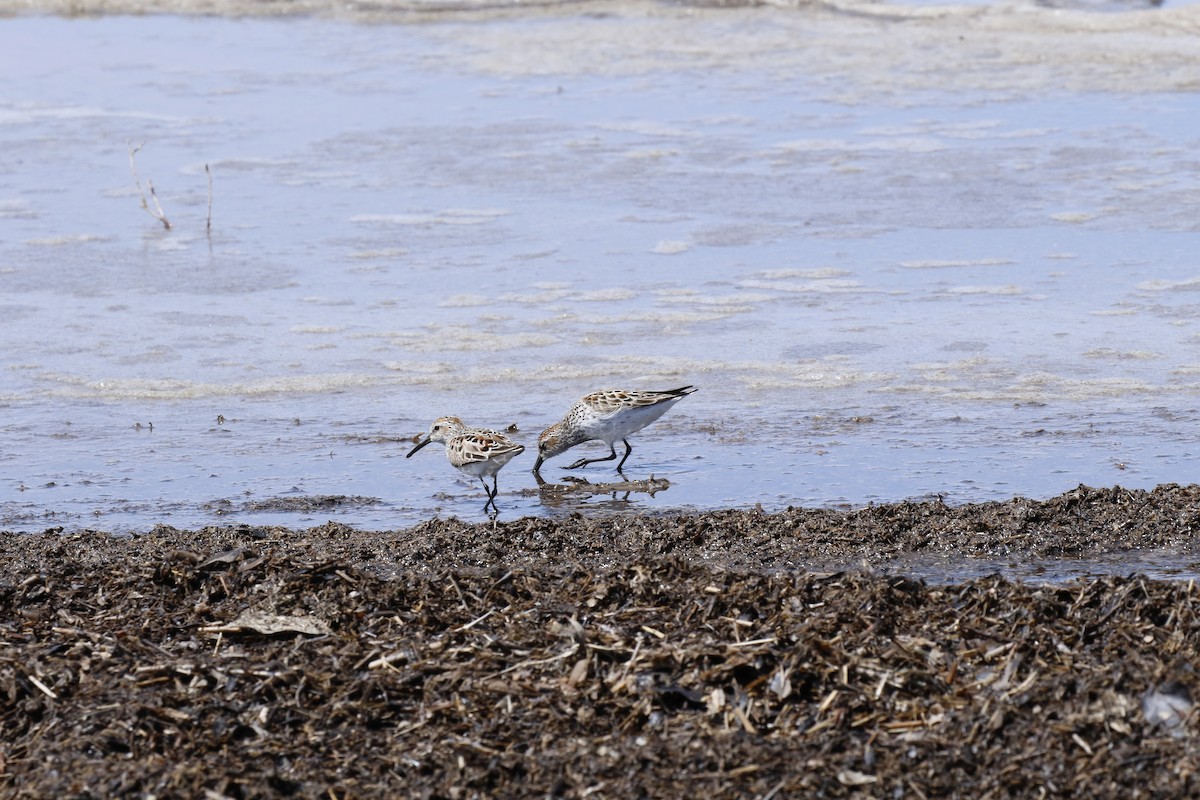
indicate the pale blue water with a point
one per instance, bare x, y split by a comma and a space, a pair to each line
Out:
946, 283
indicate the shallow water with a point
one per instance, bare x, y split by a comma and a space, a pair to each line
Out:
889, 278
1167, 565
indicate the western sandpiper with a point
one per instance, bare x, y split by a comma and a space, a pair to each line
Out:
610, 416
475, 451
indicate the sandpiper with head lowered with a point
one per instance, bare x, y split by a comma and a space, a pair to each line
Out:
476, 451
609, 416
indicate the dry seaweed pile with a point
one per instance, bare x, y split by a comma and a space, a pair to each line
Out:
260, 670
1083, 522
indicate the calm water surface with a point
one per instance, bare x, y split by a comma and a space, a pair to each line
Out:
889, 279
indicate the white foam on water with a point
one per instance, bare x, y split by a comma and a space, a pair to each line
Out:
977, 262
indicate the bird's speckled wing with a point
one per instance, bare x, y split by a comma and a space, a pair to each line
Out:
478, 445
610, 401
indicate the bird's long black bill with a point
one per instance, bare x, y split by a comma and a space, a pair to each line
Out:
418, 447
537, 465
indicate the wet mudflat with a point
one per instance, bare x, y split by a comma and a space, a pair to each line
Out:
962, 235
734, 653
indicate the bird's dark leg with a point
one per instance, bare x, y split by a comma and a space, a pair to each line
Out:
628, 450
583, 462
491, 495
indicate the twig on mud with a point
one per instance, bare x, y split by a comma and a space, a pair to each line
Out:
46, 690
570, 651
157, 211
473, 622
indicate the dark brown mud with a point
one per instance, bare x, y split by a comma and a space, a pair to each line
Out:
733, 654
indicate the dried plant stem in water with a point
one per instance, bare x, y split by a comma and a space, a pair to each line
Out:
157, 211
208, 223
